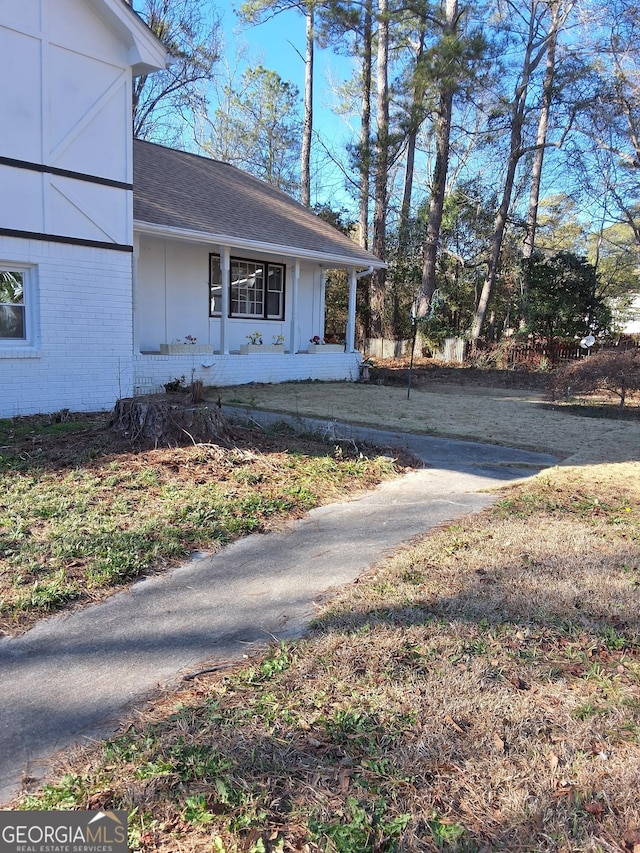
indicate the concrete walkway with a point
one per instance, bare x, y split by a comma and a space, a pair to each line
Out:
72, 677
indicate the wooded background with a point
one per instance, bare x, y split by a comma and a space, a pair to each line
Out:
493, 158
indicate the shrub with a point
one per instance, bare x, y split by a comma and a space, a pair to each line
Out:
618, 372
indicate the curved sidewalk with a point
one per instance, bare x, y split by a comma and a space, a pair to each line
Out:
72, 677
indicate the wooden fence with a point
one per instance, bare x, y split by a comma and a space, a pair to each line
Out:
554, 353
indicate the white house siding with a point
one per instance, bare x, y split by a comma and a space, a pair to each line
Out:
80, 358
171, 293
632, 326
90, 118
68, 108
172, 299
66, 167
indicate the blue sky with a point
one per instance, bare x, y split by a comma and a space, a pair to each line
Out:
279, 44
277, 40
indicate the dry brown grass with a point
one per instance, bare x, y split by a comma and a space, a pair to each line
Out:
479, 691
512, 416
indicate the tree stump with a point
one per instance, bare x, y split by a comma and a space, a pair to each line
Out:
169, 420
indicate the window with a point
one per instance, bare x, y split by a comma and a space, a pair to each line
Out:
256, 289
13, 320
275, 292
247, 289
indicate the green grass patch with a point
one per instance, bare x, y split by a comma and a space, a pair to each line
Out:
80, 514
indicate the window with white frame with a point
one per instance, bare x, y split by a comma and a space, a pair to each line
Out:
14, 322
256, 289
274, 293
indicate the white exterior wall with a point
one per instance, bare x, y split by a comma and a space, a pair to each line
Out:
152, 371
81, 356
171, 293
66, 166
632, 326
172, 299
69, 109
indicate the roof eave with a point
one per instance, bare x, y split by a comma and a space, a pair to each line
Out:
146, 53
326, 259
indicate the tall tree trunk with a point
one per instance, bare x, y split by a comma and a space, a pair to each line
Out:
515, 153
305, 170
407, 190
382, 159
541, 139
439, 178
365, 127
538, 160
500, 223
415, 122
534, 53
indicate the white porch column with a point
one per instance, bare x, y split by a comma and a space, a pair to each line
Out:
294, 306
323, 292
225, 266
351, 316
134, 293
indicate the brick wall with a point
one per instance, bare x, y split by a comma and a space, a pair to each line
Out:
81, 358
152, 371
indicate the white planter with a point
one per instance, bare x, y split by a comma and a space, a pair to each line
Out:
321, 349
185, 349
247, 348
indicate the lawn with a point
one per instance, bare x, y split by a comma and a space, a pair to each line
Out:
82, 514
511, 408
478, 691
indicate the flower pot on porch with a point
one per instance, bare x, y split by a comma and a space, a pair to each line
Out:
314, 349
185, 349
260, 348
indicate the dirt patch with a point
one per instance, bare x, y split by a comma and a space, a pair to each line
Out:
426, 373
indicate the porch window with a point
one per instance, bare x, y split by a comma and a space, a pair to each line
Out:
256, 289
13, 318
275, 292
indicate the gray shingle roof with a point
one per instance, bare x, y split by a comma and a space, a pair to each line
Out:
177, 190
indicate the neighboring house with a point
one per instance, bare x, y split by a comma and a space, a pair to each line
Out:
91, 288
632, 326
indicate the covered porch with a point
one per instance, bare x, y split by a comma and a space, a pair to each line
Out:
199, 304
229, 278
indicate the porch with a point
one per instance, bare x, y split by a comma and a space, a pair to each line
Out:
151, 370
198, 306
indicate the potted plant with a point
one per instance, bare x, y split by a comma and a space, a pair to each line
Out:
325, 345
256, 344
187, 346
